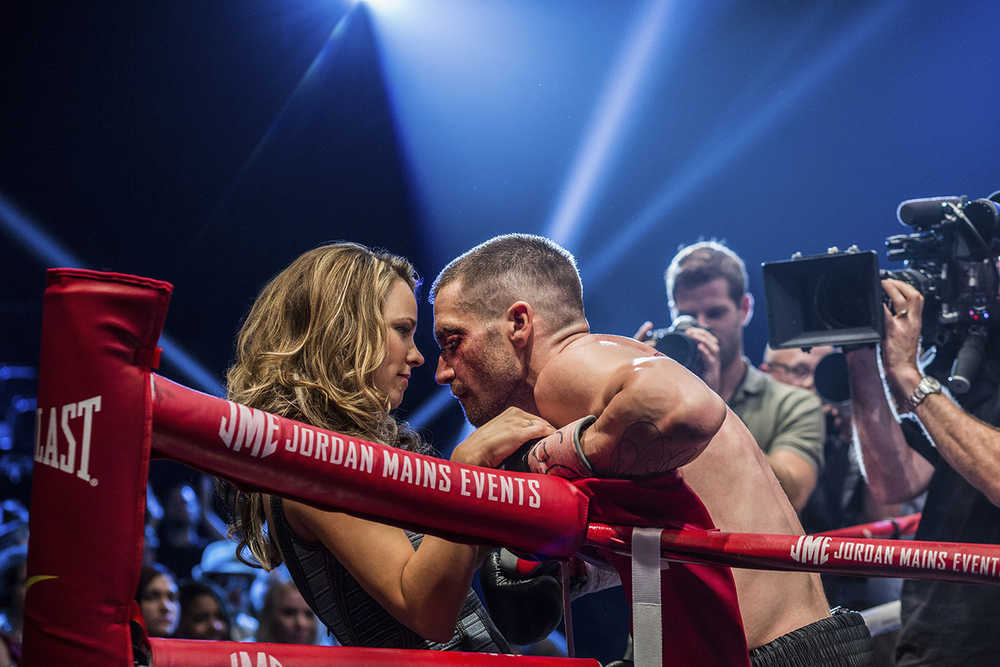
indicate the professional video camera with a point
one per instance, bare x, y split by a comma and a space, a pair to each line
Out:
950, 258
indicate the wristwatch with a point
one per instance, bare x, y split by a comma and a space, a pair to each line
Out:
927, 386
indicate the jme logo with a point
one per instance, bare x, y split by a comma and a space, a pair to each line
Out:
251, 429
243, 659
810, 549
58, 449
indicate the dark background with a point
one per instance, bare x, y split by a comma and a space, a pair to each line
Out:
208, 143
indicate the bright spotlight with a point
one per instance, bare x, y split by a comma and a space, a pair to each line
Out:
381, 6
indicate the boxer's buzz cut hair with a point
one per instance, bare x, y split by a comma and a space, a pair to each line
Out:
703, 262
515, 267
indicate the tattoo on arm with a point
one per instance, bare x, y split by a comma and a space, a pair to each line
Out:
643, 450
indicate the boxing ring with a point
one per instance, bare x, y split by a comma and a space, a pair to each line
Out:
103, 412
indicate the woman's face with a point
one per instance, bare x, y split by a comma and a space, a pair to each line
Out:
203, 619
401, 353
295, 622
159, 606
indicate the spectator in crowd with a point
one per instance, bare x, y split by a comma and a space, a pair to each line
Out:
13, 572
14, 526
157, 598
204, 613
181, 546
285, 617
237, 580
151, 538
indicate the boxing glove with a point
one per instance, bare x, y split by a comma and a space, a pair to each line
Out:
524, 597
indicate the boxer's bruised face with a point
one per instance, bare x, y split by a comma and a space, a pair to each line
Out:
401, 353
476, 360
711, 306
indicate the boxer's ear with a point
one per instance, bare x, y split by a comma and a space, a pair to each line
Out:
520, 323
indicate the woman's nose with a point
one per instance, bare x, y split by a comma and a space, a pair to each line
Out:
414, 358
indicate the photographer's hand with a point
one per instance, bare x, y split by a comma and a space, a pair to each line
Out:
708, 348
971, 447
643, 332
902, 338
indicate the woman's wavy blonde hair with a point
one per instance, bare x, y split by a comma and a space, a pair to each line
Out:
309, 350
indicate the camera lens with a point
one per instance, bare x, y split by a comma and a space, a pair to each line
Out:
916, 279
681, 349
840, 300
831, 379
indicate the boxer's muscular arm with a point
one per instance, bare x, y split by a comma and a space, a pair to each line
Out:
652, 415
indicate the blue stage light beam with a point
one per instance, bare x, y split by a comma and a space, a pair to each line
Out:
607, 124
325, 51
382, 6
34, 238
431, 408
190, 368
50, 252
722, 151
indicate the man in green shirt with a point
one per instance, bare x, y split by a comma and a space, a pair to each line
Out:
708, 281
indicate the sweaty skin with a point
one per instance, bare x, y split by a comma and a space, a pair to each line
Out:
654, 415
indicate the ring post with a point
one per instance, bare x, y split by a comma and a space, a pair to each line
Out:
92, 444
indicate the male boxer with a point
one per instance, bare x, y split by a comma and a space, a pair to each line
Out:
509, 318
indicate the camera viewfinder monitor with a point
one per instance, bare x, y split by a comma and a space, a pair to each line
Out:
832, 299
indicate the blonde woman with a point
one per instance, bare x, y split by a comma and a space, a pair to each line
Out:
330, 341
285, 618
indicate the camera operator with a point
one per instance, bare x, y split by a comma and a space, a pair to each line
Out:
841, 498
943, 623
708, 282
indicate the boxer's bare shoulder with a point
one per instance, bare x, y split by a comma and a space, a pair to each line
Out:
583, 376
652, 414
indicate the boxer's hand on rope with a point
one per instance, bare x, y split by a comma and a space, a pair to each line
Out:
500, 437
524, 597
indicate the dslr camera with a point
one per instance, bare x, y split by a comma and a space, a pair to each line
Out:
672, 342
950, 257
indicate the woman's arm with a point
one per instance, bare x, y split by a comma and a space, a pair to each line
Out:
424, 589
